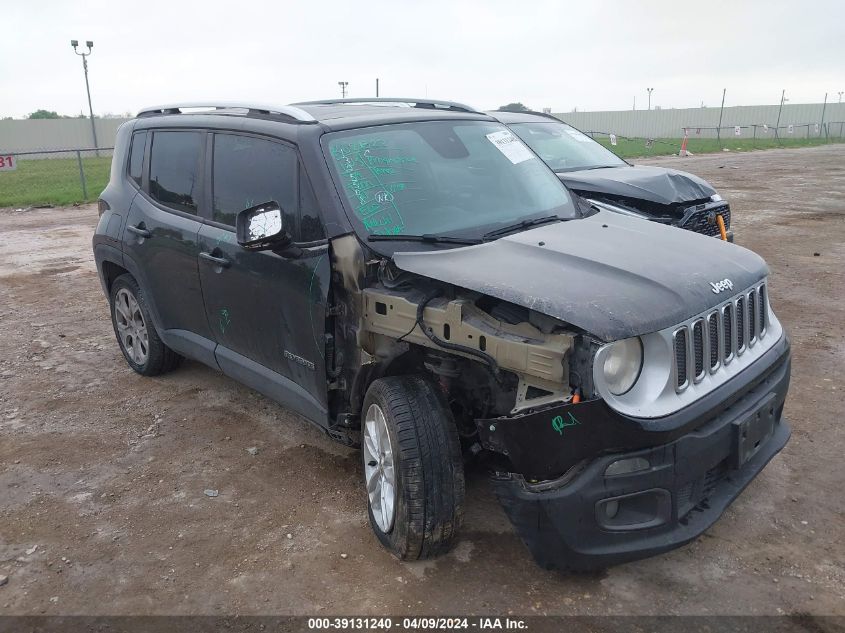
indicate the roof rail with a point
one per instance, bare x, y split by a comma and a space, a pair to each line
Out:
547, 115
220, 107
431, 104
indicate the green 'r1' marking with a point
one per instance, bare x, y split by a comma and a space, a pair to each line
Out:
558, 423
224, 319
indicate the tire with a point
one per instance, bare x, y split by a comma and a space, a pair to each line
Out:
137, 337
426, 464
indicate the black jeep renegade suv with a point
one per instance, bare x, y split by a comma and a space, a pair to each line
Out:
412, 278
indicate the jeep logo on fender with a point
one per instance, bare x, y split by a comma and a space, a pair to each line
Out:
719, 286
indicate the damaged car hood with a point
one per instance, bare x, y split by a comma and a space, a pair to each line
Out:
608, 274
655, 184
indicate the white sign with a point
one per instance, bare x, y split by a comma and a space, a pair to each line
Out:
8, 162
765, 128
737, 130
790, 129
816, 127
613, 139
510, 146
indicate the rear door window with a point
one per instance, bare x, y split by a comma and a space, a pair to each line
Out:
174, 169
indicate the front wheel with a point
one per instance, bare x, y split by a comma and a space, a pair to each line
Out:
412, 467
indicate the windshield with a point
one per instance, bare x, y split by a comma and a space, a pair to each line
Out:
441, 178
564, 148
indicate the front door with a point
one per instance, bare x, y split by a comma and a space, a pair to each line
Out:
266, 310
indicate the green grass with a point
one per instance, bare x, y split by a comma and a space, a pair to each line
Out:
56, 180
636, 148
53, 181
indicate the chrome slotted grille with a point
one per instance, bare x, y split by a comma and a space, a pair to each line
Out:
681, 358
698, 349
713, 334
711, 342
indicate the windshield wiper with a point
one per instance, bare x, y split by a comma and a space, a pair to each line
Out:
523, 224
565, 170
428, 238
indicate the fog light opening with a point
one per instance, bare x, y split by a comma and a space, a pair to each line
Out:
627, 466
635, 511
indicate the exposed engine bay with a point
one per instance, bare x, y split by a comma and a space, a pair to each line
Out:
490, 357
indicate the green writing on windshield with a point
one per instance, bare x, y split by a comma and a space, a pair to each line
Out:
368, 169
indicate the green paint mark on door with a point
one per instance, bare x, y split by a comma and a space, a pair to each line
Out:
224, 320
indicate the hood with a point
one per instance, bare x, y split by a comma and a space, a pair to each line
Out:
611, 275
643, 182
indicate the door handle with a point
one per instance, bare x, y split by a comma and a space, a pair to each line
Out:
220, 261
139, 231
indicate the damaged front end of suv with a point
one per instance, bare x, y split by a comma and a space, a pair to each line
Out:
622, 381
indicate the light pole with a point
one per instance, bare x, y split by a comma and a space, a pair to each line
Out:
343, 85
84, 56
840, 96
649, 97
782, 99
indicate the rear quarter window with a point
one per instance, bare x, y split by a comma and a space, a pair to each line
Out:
136, 156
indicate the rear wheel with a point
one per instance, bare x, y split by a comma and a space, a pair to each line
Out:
143, 349
412, 467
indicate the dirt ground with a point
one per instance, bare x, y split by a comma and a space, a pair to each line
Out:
103, 472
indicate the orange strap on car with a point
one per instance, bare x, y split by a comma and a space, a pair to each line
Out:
721, 222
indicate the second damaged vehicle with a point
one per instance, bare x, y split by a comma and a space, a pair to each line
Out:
604, 180
413, 279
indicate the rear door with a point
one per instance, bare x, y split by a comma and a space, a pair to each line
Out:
161, 232
266, 310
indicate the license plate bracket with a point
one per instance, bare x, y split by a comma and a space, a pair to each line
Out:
752, 430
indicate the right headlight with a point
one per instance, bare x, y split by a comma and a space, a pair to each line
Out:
623, 361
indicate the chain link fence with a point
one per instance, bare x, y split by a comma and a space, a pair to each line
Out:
713, 139
53, 177
72, 176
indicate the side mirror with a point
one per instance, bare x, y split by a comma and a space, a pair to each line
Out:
262, 227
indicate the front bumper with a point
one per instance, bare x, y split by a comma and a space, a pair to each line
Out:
587, 520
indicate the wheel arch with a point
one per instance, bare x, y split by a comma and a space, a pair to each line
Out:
402, 364
111, 264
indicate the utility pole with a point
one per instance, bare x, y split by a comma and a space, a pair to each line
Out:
343, 85
821, 126
635, 102
840, 96
777, 125
84, 56
721, 110
649, 97
376, 87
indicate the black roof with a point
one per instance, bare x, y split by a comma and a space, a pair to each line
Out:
344, 116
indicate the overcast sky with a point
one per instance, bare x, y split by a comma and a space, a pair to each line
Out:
589, 54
